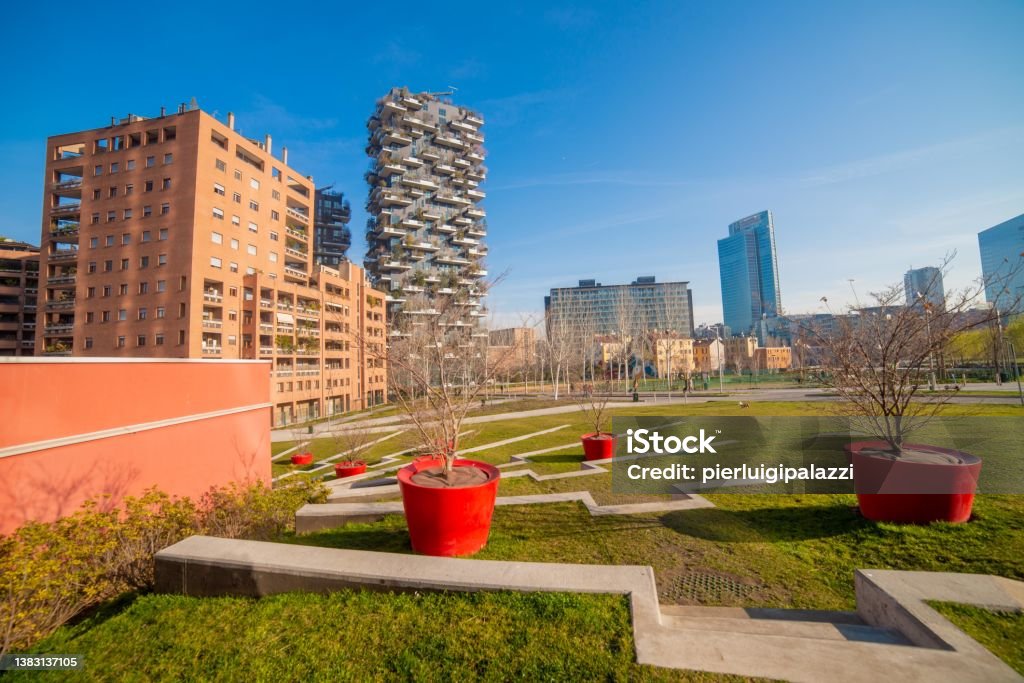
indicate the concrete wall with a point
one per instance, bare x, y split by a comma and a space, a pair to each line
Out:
76, 428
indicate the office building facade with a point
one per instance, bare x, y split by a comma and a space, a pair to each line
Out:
749, 271
425, 234
644, 305
19, 288
923, 286
1002, 264
177, 237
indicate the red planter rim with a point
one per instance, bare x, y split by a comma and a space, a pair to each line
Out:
426, 462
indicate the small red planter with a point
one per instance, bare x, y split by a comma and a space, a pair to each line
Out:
302, 459
598, 446
349, 469
905, 492
448, 521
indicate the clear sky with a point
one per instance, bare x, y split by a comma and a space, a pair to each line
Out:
621, 142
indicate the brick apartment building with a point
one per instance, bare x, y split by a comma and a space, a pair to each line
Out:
19, 287
178, 237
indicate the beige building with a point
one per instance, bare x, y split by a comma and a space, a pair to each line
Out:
178, 237
19, 287
772, 358
708, 355
674, 356
512, 350
739, 353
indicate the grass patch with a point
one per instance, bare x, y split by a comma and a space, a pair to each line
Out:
355, 635
1001, 632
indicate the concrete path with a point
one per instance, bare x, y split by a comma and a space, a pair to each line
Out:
893, 637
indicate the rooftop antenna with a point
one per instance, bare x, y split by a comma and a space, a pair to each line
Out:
193, 104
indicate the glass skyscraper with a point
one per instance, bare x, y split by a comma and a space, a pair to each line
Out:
924, 284
1002, 264
641, 306
749, 271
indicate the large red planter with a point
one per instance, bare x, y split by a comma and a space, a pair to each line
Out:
598, 446
895, 490
302, 459
349, 469
448, 521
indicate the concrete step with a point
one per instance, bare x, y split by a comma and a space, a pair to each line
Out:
793, 628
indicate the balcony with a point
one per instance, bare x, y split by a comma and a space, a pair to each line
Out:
474, 120
392, 168
392, 199
64, 255
462, 163
299, 215
475, 157
418, 123
462, 126
395, 265
266, 350
423, 183
465, 241
64, 209
64, 234
476, 231
294, 273
60, 304
59, 328
475, 138
213, 296
450, 141
394, 107
462, 220
283, 373
445, 169
266, 303
213, 323
445, 228
412, 103
476, 213
298, 234
73, 185
476, 194
391, 231
413, 162
476, 272
395, 138
266, 327
295, 252
412, 223
61, 280
429, 155
212, 350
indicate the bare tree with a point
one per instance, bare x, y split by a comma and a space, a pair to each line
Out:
879, 358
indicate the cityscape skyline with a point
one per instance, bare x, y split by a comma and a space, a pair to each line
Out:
843, 154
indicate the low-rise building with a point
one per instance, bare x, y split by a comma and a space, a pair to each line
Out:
19, 287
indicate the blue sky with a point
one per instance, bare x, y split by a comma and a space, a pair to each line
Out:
882, 135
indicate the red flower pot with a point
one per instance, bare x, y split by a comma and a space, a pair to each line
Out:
907, 492
448, 521
349, 469
598, 446
302, 459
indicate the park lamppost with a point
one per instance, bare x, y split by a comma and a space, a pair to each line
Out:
719, 350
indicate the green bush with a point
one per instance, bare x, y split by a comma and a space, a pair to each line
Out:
51, 572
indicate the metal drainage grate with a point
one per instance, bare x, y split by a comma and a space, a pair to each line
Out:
704, 588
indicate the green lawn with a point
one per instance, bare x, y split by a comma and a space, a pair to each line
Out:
358, 636
1000, 632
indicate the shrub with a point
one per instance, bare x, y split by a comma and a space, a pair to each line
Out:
51, 572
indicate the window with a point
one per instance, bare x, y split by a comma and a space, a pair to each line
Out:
143, 313
88, 342
108, 266
124, 264
141, 340
94, 242
221, 166
120, 342
215, 262
234, 244
166, 184
181, 337
147, 211
236, 198
92, 267
95, 217
98, 170
218, 213
236, 221
232, 340
122, 290
254, 205
152, 136
252, 271
129, 165
238, 174
143, 288
112, 192
234, 267
143, 262
122, 314
216, 238
161, 285
273, 257
150, 162
170, 132
147, 186
219, 189
158, 339
161, 312
106, 291
91, 293
274, 215
181, 310
97, 194
253, 227
105, 317
232, 291
254, 184
161, 260
147, 236
273, 235
111, 216
165, 209
181, 284
168, 158
274, 193
251, 249
126, 238
115, 167
162, 235
129, 189
127, 214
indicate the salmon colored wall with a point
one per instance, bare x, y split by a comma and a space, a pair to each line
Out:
47, 400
